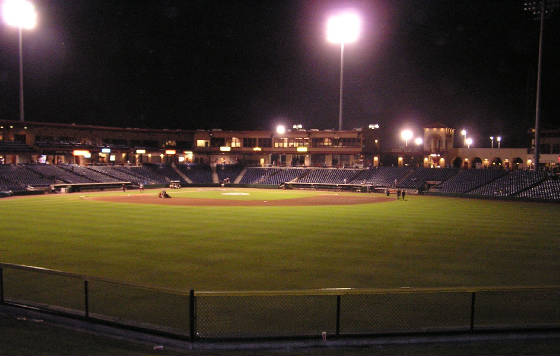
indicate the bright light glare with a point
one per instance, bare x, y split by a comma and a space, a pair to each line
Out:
418, 141
19, 13
343, 28
280, 129
499, 138
406, 135
464, 132
469, 141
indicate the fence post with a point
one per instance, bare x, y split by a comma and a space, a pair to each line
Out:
337, 315
1, 285
86, 299
192, 315
473, 299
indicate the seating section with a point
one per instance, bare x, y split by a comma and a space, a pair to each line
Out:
474, 182
510, 184
16, 178
330, 176
254, 175
197, 173
89, 174
55, 174
548, 189
116, 173
282, 176
155, 174
420, 176
469, 179
151, 174
230, 171
387, 176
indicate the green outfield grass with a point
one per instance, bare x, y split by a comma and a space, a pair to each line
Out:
424, 241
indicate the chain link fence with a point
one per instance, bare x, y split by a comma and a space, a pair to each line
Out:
276, 314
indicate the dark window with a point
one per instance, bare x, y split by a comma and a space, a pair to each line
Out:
545, 148
249, 142
150, 143
217, 142
184, 144
265, 142
19, 138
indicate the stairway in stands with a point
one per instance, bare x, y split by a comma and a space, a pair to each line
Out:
181, 174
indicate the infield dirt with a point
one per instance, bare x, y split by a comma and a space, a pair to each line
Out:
327, 199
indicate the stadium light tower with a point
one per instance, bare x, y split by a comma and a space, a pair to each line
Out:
539, 9
469, 142
343, 28
492, 140
20, 14
499, 139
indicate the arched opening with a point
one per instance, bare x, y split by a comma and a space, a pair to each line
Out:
476, 163
497, 162
517, 163
457, 162
466, 163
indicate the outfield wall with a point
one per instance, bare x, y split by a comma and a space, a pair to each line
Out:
339, 312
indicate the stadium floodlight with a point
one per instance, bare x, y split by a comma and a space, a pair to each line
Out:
406, 135
280, 129
492, 140
469, 142
499, 139
20, 14
464, 134
418, 141
343, 28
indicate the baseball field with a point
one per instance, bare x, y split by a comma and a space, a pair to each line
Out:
248, 239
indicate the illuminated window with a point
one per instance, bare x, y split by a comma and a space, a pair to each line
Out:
281, 142
322, 142
202, 143
235, 142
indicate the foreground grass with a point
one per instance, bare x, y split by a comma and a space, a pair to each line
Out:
424, 241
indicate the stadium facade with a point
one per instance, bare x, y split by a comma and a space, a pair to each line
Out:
55, 143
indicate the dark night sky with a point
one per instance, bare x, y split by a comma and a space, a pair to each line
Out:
252, 64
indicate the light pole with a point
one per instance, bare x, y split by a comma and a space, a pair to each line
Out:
464, 134
20, 14
540, 9
499, 139
342, 28
406, 135
469, 142
492, 140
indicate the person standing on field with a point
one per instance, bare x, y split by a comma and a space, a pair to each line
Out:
403, 193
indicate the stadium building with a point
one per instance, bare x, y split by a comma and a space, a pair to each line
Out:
53, 143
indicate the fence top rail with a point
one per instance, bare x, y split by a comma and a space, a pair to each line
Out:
362, 291
293, 292
90, 278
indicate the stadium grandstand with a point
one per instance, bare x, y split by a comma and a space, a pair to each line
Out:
50, 156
